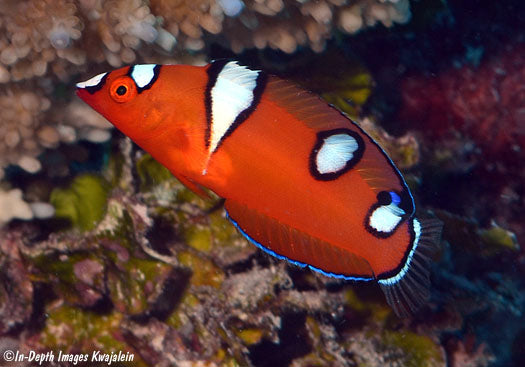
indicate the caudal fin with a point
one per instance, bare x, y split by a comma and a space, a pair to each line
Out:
410, 288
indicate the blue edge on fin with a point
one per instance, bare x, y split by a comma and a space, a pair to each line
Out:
281, 257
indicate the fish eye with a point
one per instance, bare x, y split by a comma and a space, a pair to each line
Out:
122, 89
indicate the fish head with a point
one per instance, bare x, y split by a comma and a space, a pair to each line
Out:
127, 99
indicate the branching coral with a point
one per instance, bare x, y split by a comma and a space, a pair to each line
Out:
37, 33
286, 25
188, 19
279, 24
28, 125
41, 34
120, 26
45, 40
21, 129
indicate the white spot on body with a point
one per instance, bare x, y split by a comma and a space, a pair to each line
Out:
386, 217
335, 153
404, 270
231, 94
143, 74
91, 82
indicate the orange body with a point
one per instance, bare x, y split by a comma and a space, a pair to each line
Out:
299, 178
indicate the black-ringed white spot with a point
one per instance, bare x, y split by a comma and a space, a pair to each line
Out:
335, 152
385, 215
94, 84
144, 75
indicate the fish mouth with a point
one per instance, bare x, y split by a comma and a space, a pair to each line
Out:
83, 94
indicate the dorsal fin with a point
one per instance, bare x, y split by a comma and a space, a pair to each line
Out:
287, 243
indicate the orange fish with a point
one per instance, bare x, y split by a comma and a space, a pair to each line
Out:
300, 180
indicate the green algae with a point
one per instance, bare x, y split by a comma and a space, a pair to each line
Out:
341, 80
54, 266
216, 232
224, 360
418, 350
70, 329
379, 312
199, 237
354, 302
222, 230
114, 170
188, 302
350, 92
407, 155
59, 270
151, 172
497, 237
83, 202
130, 288
118, 226
468, 234
204, 271
250, 336
80, 326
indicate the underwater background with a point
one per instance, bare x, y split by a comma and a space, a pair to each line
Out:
102, 249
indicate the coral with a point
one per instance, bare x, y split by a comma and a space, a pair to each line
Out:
190, 18
285, 25
13, 206
122, 26
464, 353
16, 288
23, 132
45, 41
471, 119
154, 275
38, 33
79, 121
417, 350
403, 150
28, 125
483, 102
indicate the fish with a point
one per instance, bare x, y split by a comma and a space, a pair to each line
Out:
299, 179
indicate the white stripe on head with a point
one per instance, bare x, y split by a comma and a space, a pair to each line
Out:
231, 94
93, 82
143, 74
337, 150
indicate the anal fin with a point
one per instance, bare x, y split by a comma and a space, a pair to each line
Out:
297, 247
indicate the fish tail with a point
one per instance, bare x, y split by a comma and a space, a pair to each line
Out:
410, 288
